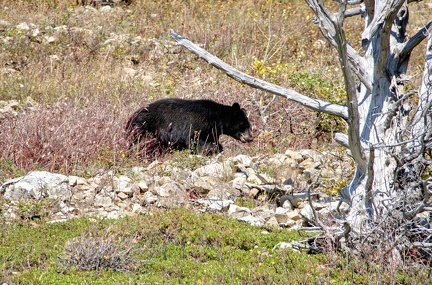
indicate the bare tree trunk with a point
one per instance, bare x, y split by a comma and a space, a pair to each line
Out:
387, 142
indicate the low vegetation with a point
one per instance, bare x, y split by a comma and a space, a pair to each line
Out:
170, 247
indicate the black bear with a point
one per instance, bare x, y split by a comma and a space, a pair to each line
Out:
189, 124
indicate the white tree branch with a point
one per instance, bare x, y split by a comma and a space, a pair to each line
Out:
326, 20
314, 104
408, 46
353, 109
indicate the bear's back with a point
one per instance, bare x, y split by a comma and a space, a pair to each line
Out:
181, 108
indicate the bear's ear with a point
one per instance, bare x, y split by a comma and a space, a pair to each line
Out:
236, 106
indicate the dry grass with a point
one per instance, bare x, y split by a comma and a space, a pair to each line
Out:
101, 67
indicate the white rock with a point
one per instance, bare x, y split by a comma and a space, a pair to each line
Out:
281, 210
287, 205
149, 198
239, 182
243, 160
216, 204
215, 170
293, 215
169, 189
254, 221
273, 222
102, 201
36, 185
23, 26
277, 159
307, 212
122, 196
283, 245
143, 186
294, 155
235, 208
105, 9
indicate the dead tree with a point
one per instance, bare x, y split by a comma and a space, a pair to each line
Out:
389, 132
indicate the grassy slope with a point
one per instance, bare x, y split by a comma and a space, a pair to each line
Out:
84, 97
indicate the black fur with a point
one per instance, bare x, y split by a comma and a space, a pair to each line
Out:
189, 124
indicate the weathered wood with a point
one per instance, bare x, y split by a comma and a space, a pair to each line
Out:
314, 104
386, 141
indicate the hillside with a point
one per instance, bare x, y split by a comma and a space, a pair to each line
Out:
71, 75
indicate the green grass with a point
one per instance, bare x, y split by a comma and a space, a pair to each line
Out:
177, 247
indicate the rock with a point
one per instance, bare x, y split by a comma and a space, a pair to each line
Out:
264, 214
23, 26
169, 189
204, 184
289, 223
237, 212
223, 190
219, 170
243, 160
37, 185
307, 212
102, 201
204, 189
255, 179
294, 155
4, 24
254, 221
138, 209
281, 218
253, 193
123, 196
293, 215
313, 155
216, 204
142, 186
277, 159
50, 40
287, 205
239, 183
281, 211
8, 108
283, 245
272, 222
123, 187
105, 9
149, 198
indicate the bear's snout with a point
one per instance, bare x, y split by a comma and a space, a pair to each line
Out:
246, 137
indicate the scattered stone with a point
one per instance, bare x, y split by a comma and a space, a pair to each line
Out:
213, 187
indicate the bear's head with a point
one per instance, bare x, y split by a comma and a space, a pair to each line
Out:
239, 127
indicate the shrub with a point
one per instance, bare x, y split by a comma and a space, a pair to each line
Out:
92, 251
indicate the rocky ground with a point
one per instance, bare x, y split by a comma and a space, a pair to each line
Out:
269, 191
